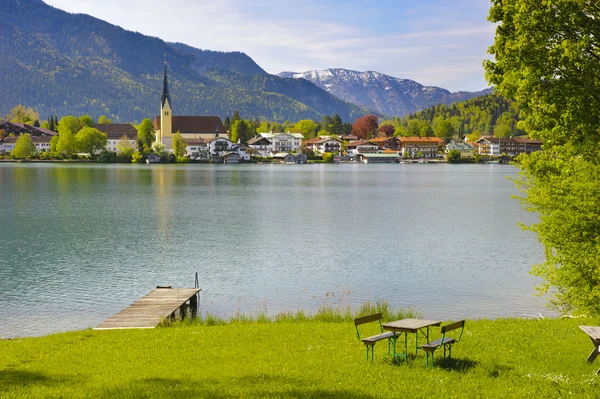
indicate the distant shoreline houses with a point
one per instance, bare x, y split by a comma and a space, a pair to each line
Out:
207, 140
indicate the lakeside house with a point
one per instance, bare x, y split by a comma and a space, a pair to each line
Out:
283, 142
117, 134
423, 147
260, 145
496, 146
323, 144
466, 150
377, 158
361, 147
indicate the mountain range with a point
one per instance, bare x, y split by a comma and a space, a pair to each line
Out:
62, 63
384, 94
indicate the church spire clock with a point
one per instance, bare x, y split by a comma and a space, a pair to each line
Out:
166, 122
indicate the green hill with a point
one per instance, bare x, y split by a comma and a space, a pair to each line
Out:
61, 63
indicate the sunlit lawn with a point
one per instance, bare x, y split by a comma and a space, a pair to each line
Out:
501, 358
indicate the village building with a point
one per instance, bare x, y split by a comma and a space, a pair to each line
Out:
361, 147
283, 142
496, 146
389, 143
423, 147
377, 158
7, 128
118, 134
196, 149
190, 127
285, 157
466, 150
323, 144
42, 143
260, 145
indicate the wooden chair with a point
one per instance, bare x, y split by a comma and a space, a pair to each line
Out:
372, 340
445, 342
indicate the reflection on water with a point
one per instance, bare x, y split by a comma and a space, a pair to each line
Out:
80, 242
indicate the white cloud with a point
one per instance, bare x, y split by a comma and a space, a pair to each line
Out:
297, 36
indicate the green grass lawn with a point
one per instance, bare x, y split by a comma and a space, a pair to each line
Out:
507, 358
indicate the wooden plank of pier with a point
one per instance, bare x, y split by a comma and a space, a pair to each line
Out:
149, 310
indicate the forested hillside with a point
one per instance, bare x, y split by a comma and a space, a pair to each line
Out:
61, 63
480, 116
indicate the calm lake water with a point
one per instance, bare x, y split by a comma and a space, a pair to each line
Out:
79, 243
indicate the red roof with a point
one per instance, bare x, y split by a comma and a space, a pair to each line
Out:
194, 124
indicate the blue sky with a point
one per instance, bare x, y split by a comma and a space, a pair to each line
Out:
435, 42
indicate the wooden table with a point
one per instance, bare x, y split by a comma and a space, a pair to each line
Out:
594, 334
413, 326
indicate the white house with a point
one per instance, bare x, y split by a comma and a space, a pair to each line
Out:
118, 133
361, 147
283, 142
466, 150
324, 144
196, 149
260, 145
42, 143
218, 145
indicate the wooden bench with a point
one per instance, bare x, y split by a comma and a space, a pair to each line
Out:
372, 340
594, 334
445, 342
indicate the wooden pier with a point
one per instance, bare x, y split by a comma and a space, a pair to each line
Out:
148, 311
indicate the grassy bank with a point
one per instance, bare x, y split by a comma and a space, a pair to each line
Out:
298, 358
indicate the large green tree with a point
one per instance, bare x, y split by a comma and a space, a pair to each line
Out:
70, 123
24, 147
20, 114
91, 140
179, 145
242, 130
66, 143
547, 57
146, 133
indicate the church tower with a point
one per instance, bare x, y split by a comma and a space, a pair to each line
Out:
165, 136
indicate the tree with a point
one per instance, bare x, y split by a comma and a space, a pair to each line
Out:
388, 130
263, 127
444, 130
327, 157
66, 142
103, 120
236, 117
20, 114
365, 127
179, 145
336, 125
545, 56
308, 128
227, 124
69, 123
54, 144
24, 147
400, 131
453, 156
146, 133
86, 120
91, 141
125, 147
241, 131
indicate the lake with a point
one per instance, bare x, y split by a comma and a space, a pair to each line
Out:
81, 242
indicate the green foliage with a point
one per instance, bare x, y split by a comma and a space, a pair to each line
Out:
107, 156
453, 156
125, 147
327, 157
308, 128
91, 141
69, 123
495, 359
444, 130
24, 147
137, 157
242, 130
66, 143
86, 120
183, 159
546, 57
20, 114
103, 120
179, 145
146, 133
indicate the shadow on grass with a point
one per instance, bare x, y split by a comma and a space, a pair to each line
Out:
457, 364
259, 386
21, 378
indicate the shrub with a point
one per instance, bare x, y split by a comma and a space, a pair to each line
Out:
107, 157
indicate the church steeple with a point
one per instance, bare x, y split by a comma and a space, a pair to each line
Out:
165, 93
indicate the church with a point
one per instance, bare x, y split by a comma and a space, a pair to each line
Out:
192, 128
